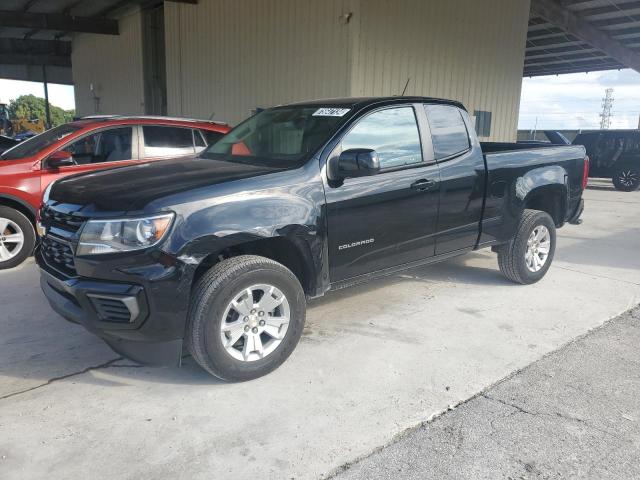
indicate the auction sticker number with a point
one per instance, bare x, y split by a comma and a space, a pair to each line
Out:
331, 112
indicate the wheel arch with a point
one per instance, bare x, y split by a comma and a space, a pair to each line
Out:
20, 205
292, 252
551, 199
545, 189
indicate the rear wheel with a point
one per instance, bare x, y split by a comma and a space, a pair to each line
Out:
626, 179
246, 317
17, 238
528, 256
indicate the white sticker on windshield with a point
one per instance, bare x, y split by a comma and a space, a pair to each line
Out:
331, 112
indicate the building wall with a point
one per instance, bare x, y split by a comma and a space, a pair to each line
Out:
113, 64
227, 57
467, 50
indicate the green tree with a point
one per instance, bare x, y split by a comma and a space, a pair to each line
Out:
30, 107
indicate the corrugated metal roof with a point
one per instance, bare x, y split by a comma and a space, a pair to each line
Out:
551, 50
79, 8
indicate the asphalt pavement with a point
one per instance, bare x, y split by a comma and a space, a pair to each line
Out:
573, 414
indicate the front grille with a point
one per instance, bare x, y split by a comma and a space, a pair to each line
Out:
114, 309
57, 219
58, 254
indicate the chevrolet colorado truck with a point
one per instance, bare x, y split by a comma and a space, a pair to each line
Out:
219, 253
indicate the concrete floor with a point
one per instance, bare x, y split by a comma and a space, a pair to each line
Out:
573, 414
374, 361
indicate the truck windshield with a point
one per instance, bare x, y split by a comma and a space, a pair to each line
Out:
280, 137
35, 144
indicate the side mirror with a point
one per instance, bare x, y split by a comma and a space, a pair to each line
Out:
61, 158
358, 162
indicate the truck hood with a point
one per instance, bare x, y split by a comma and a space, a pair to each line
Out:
133, 187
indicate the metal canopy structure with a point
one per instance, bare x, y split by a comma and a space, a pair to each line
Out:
569, 36
37, 33
564, 36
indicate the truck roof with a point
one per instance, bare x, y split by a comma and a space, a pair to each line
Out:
362, 102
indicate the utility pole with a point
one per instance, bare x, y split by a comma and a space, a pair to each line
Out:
607, 106
47, 109
638, 122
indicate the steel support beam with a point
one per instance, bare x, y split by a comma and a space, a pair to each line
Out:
568, 21
60, 22
37, 59
30, 47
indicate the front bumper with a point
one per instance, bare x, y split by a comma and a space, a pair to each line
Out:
142, 320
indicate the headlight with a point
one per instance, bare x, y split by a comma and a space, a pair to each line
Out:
112, 236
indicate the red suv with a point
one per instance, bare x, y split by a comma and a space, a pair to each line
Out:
27, 169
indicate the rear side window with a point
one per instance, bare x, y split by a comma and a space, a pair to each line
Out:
392, 133
162, 141
212, 137
448, 131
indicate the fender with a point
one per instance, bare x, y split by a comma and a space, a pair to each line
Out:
280, 218
526, 191
23, 203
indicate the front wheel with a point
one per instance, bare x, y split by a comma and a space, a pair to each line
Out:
246, 317
17, 238
528, 256
626, 179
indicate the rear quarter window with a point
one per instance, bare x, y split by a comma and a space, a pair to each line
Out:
448, 131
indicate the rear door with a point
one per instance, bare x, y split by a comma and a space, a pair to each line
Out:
388, 219
462, 178
97, 150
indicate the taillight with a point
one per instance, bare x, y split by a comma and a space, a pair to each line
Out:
585, 173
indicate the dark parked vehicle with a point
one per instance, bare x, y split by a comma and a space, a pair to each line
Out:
614, 154
6, 143
221, 251
552, 137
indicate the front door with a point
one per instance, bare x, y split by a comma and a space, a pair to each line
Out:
387, 219
98, 150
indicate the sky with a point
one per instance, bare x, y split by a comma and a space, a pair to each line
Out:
574, 101
59, 95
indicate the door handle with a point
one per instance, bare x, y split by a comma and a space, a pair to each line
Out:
423, 185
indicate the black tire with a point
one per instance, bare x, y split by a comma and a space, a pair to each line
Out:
209, 300
511, 256
626, 178
26, 227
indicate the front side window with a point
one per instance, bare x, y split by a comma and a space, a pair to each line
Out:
280, 137
393, 133
105, 146
160, 141
448, 131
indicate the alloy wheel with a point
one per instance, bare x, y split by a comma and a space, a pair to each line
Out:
11, 239
629, 178
255, 322
538, 248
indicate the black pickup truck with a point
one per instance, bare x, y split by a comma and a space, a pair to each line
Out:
614, 154
220, 252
